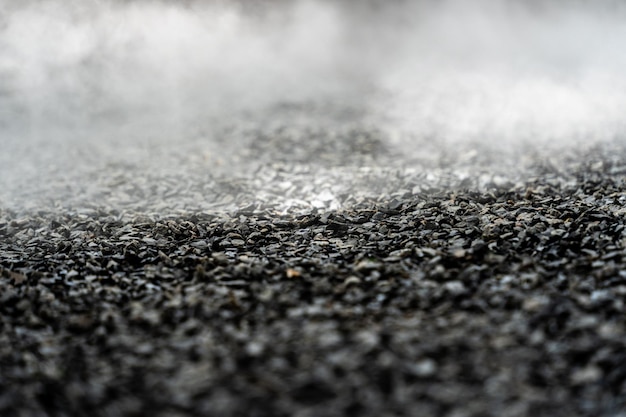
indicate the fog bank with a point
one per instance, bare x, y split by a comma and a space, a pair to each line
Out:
164, 86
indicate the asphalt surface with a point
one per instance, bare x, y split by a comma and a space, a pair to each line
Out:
314, 269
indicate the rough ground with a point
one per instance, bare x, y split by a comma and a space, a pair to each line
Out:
450, 286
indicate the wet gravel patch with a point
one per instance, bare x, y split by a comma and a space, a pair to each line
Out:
433, 291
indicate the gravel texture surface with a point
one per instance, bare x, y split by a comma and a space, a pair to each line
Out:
312, 208
463, 284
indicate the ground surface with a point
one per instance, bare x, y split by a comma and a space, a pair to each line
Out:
324, 279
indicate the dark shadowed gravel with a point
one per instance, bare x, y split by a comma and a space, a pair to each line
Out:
448, 289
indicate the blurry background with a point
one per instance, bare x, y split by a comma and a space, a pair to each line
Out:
99, 93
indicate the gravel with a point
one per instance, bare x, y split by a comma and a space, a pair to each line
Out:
462, 284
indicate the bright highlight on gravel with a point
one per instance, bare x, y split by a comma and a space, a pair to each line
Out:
312, 208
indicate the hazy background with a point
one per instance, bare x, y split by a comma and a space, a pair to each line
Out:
89, 89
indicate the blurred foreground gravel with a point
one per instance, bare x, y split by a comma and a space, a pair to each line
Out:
460, 285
